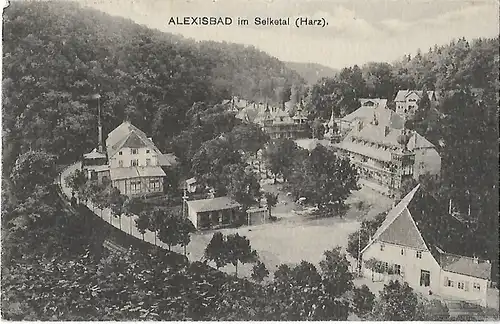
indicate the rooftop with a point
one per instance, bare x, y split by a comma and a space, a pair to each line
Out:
465, 265
136, 172
212, 204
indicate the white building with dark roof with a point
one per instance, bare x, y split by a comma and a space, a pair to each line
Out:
212, 212
399, 246
407, 101
386, 155
132, 162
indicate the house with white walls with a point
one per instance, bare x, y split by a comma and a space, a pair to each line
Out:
400, 252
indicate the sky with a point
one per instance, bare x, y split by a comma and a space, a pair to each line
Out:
358, 31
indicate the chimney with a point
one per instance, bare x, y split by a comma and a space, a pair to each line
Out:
386, 131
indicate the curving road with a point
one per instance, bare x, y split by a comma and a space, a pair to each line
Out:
127, 223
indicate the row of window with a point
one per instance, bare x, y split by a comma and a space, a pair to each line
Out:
463, 285
418, 254
133, 151
134, 163
135, 185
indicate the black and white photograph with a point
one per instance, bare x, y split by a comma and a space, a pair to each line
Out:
237, 160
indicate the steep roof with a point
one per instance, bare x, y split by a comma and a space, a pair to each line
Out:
400, 228
380, 112
128, 135
403, 94
94, 155
393, 214
212, 204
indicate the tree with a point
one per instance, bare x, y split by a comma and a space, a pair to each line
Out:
259, 271
238, 249
242, 185
131, 207
397, 302
31, 169
317, 128
337, 278
279, 156
248, 137
116, 203
216, 250
271, 201
359, 239
142, 222
325, 179
76, 181
155, 221
212, 158
185, 230
363, 300
432, 310
170, 227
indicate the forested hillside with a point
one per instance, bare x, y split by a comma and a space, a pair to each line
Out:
312, 72
463, 125
56, 55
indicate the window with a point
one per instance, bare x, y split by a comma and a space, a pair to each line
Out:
148, 162
154, 184
476, 286
402, 251
135, 185
134, 151
397, 269
382, 247
419, 254
134, 162
386, 266
450, 283
120, 153
147, 151
120, 163
425, 278
460, 285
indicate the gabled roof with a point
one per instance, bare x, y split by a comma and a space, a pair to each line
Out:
212, 204
127, 135
390, 219
400, 228
403, 94
383, 115
94, 155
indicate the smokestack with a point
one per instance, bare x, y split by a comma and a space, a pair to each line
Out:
99, 123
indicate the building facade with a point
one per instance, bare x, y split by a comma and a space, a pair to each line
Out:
287, 121
407, 101
386, 156
134, 164
401, 251
212, 212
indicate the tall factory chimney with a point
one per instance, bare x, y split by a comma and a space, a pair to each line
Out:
99, 123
